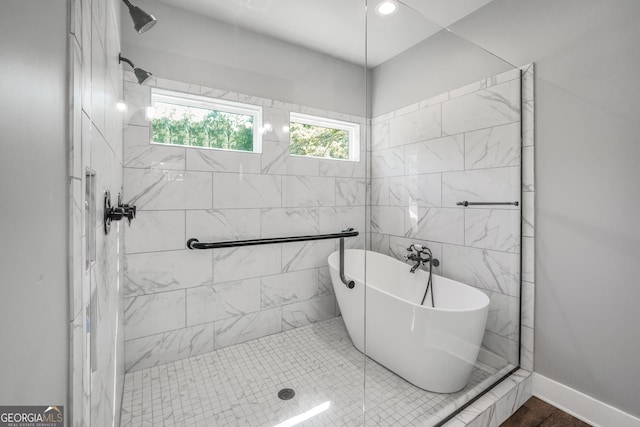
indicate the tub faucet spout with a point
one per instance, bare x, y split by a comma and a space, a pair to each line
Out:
415, 267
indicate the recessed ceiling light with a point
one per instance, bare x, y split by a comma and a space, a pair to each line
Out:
387, 7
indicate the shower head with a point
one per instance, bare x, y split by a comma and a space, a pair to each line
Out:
141, 75
142, 21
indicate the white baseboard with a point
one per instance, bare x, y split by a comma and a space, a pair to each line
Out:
581, 406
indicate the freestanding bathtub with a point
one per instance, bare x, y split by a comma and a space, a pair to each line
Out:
432, 348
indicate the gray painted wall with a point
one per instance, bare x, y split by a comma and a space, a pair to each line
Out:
588, 193
33, 171
187, 47
587, 178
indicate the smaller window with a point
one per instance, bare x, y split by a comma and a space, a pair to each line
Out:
197, 121
321, 137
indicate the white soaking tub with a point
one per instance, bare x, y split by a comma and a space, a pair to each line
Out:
433, 348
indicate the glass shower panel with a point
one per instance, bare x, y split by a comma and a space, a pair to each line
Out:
442, 305
258, 144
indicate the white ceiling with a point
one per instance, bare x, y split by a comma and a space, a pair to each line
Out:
336, 27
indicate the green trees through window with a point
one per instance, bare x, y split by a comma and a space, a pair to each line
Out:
318, 141
197, 127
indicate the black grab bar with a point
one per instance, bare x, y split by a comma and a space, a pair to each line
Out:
349, 232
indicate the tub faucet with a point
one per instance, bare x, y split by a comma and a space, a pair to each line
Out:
418, 258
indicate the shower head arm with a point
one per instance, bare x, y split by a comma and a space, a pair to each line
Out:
122, 59
128, 3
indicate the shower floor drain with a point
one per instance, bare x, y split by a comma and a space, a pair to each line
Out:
286, 393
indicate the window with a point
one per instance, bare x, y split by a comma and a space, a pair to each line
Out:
197, 121
321, 137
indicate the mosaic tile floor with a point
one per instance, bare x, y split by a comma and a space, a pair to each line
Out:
238, 386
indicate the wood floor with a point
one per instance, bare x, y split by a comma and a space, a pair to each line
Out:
535, 413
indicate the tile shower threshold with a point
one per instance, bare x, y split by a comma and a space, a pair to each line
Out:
239, 385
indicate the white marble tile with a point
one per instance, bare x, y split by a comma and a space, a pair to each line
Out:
503, 77
278, 118
334, 220
492, 229
350, 191
153, 156
305, 255
435, 224
287, 288
380, 191
155, 231
527, 303
387, 220
380, 136
146, 315
467, 89
244, 328
495, 106
306, 191
231, 264
163, 348
75, 108
528, 120
283, 222
136, 136
383, 117
138, 98
218, 160
421, 190
493, 147
221, 301
303, 166
325, 285
528, 83
216, 225
231, 190
152, 272
503, 347
513, 400
527, 169
151, 189
275, 155
98, 79
219, 93
528, 215
304, 313
178, 86
416, 126
437, 155
379, 243
389, 162
526, 348
344, 168
528, 259
77, 345
76, 246
255, 100
504, 315
411, 108
490, 270
486, 185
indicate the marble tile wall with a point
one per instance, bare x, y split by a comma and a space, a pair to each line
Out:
426, 157
95, 142
179, 302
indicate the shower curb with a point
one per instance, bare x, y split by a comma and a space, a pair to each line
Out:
498, 404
